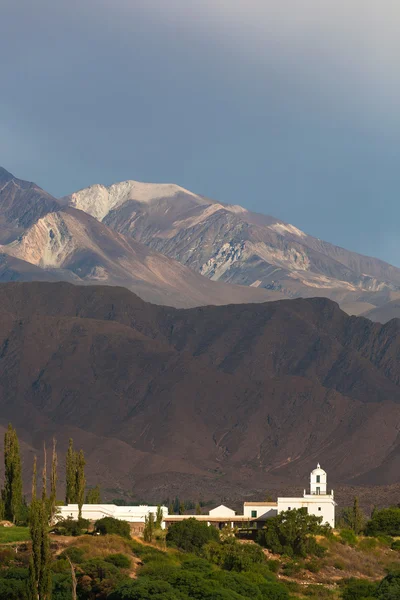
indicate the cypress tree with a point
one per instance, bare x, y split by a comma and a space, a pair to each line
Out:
44, 474
53, 481
198, 509
34, 478
93, 496
39, 565
159, 517
357, 517
12, 492
70, 474
80, 480
148, 531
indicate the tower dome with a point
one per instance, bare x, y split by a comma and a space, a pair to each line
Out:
318, 481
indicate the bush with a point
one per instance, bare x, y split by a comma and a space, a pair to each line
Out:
389, 587
359, 589
70, 527
396, 545
233, 556
291, 533
384, 522
347, 536
191, 535
109, 525
119, 560
76, 555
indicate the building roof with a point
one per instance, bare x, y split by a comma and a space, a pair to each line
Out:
260, 503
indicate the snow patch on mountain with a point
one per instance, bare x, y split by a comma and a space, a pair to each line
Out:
97, 200
286, 228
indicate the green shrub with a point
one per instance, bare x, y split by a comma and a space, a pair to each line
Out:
76, 555
359, 589
384, 522
368, 544
313, 566
119, 560
191, 535
347, 536
291, 533
233, 556
70, 527
291, 568
396, 545
389, 587
109, 525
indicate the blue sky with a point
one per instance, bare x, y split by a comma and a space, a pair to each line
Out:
288, 107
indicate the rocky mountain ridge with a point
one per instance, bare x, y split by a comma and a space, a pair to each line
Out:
44, 240
231, 244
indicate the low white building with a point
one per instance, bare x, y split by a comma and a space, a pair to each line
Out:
94, 512
317, 502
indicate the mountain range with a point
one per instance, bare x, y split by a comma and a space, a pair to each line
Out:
218, 399
173, 247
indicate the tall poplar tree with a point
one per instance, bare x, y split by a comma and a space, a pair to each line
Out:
34, 478
12, 492
70, 474
44, 474
53, 481
39, 581
80, 480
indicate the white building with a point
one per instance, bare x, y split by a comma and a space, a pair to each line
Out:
318, 502
94, 512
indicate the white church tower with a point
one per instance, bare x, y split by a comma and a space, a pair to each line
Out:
318, 482
318, 501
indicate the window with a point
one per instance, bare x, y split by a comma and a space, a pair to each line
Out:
318, 478
289, 508
319, 508
318, 490
253, 514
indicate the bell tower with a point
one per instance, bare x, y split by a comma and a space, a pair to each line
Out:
318, 482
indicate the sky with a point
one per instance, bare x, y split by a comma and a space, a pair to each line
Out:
287, 107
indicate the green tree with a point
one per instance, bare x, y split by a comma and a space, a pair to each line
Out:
389, 587
148, 527
80, 484
359, 589
108, 525
53, 481
198, 509
44, 474
171, 509
159, 517
39, 566
291, 533
93, 496
34, 478
182, 508
191, 535
12, 492
70, 474
358, 520
384, 522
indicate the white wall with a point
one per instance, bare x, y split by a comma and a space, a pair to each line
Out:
264, 511
94, 512
316, 505
222, 511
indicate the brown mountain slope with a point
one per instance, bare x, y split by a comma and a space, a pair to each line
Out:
233, 397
